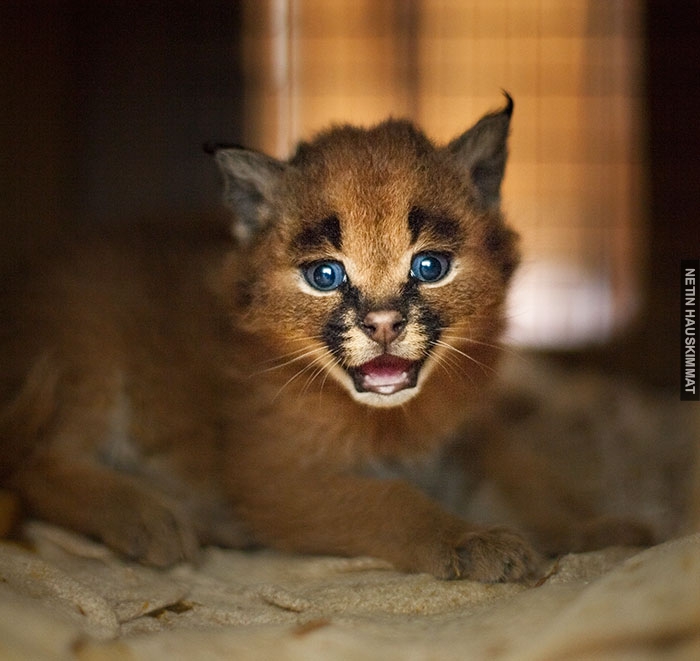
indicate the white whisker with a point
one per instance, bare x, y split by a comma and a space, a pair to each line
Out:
503, 348
332, 360
325, 371
289, 359
450, 335
297, 374
324, 366
450, 366
485, 368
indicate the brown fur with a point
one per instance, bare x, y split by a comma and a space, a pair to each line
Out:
176, 388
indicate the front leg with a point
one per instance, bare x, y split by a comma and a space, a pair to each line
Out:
124, 511
351, 515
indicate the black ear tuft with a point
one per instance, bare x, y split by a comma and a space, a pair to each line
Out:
482, 152
509, 104
251, 183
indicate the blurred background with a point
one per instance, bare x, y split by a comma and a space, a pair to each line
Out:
105, 106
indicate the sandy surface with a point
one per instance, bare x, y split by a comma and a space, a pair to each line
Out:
69, 598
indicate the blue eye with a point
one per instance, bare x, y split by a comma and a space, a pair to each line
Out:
325, 276
430, 266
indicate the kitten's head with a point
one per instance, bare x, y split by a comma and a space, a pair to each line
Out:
372, 255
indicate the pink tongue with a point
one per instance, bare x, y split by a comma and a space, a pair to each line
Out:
386, 367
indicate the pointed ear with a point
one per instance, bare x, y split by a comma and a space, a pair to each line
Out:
251, 185
482, 153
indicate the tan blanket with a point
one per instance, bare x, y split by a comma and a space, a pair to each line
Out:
70, 598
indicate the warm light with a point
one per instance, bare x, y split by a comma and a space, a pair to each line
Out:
575, 179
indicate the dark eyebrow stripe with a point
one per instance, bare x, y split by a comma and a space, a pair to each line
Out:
439, 226
320, 233
416, 221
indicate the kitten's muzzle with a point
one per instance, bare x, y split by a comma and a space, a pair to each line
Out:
386, 374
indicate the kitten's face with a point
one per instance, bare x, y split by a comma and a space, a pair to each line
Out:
379, 265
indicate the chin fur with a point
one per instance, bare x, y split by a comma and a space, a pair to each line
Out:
385, 401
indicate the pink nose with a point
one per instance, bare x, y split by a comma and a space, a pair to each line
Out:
384, 326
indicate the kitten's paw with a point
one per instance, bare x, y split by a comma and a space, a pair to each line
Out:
493, 556
152, 531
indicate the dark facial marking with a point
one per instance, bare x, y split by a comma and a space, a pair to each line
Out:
416, 221
432, 323
428, 319
319, 234
337, 326
353, 307
438, 227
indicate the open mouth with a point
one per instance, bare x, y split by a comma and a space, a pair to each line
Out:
385, 375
